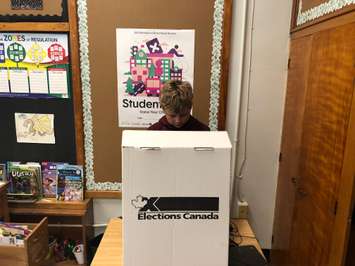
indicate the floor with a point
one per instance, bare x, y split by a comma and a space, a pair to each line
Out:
67, 263
350, 259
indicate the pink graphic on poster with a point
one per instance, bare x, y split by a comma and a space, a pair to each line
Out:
150, 67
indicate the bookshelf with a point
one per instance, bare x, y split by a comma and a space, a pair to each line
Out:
72, 219
34, 250
4, 211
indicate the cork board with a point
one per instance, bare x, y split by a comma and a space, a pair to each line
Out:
148, 14
308, 4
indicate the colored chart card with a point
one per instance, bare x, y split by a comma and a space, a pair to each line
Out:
4, 80
58, 83
146, 59
37, 53
38, 81
35, 128
19, 80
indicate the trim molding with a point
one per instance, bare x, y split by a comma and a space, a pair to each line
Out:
217, 38
321, 10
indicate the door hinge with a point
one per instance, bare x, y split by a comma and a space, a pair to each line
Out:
289, 63
280, 157
272, 239
335, 207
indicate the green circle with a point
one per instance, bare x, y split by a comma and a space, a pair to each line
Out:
16, 52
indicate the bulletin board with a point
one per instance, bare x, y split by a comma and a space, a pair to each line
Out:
211, 20
67, 111
36, 58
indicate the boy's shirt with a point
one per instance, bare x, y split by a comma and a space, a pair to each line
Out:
191, 125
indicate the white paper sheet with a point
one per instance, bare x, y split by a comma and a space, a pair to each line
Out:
4, 80
146, 59
38, 81
19, 80
35, 128
58, 83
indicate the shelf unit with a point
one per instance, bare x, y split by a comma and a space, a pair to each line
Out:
65, 218
32, 253
4, 210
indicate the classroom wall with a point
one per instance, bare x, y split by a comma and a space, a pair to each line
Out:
264, 80
267, 81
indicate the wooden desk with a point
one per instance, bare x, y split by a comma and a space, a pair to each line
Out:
4, 210
71, 219
110, 249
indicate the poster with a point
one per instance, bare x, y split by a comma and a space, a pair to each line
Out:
35, 128
34, 64
146, 59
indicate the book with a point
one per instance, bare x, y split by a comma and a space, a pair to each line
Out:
73, 187
70, 182
49, 178
25, 181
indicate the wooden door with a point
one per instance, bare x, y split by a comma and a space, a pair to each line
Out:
300, 52
329, 94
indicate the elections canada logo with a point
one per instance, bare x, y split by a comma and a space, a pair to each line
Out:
176, 208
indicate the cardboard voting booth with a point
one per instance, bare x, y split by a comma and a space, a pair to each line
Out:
175, 198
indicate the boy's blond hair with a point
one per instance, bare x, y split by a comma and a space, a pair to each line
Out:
176, 97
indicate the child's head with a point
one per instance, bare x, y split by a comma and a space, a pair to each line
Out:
176, 102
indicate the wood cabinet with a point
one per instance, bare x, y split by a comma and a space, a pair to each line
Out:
34, 251
316, 172
66, 219
4, 210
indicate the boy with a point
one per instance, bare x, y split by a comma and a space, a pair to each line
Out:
176, 102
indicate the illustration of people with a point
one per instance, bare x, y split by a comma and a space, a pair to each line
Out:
48, 186
72, 194
174, 51
22, 185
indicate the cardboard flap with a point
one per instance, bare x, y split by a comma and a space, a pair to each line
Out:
197, 140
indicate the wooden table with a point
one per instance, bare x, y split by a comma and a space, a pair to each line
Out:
4, 210
110, 249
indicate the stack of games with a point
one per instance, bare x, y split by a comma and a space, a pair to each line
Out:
11, 234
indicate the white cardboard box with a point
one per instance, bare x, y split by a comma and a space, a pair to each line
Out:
175, 198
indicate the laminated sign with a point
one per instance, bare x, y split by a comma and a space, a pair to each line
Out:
175, 208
